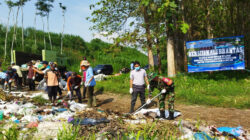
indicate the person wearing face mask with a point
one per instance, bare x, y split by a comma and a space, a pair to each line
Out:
138, 77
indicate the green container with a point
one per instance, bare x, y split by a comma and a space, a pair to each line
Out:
1, 115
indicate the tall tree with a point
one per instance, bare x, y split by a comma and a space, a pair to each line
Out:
10, 5
21, 4
39, 7
44, 7
63, 15
16, 4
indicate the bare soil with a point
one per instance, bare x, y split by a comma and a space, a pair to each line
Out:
217, 116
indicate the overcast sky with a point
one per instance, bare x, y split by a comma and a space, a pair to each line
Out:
76, 23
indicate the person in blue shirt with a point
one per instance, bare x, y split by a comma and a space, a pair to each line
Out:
90, 83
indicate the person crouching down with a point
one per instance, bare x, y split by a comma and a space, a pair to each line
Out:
74, 84
51, 77
166, 86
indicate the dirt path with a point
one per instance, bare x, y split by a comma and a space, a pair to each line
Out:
211, 115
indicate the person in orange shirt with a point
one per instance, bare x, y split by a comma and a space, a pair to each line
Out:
51, 77
74, 84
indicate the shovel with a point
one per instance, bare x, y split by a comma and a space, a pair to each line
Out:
146, 103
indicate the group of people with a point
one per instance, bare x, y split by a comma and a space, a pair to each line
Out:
12, 75
139, 81
53, 83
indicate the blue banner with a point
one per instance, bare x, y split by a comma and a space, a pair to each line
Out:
216, 54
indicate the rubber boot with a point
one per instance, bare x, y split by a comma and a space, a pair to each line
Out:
94, 101
171, 116
162, 114
131, 109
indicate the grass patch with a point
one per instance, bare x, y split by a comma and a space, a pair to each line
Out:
39, 100
222, 89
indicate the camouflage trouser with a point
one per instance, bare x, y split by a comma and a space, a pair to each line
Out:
171, 98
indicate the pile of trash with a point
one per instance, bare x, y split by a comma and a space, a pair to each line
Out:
191, 131
21, 111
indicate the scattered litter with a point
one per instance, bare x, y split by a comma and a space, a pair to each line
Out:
140, 121
202, 136
235, 131
77, 107
32, 125
89, 121
100, 77
156, 110
48, 130
45, 96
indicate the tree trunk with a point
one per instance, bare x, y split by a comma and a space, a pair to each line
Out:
184, 38
22, 30
6, 35
62, 33
158, 55
35, 31
148, 36
44, 41
209, 27
170, 57
14, 33
51, 47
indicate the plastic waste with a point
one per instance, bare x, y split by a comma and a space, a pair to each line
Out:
32, 125
77, 107
61, 110
235, 131
156, 110
16, 121
89, 121
1, 115
202, 136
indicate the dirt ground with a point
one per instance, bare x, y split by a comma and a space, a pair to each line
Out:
217, 116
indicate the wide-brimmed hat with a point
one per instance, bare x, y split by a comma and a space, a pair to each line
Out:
151, 76
85, 63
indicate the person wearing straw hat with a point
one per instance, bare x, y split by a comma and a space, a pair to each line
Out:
166, 86
89, 83
83, 70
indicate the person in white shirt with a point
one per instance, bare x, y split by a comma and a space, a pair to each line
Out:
19, 75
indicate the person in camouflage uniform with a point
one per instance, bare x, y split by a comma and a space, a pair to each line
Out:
166, 86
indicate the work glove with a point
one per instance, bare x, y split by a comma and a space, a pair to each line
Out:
131, 90
60, 86
80, 70
10, 81
148, 101
163, 91
148, 87
33, 78
76, 87
81, 83
87, 84
69, 94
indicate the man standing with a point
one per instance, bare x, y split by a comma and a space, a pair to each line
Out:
31, 76
90, 83
74, 84
166, 86
51, 77
83, 78
138, 77
19, 75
